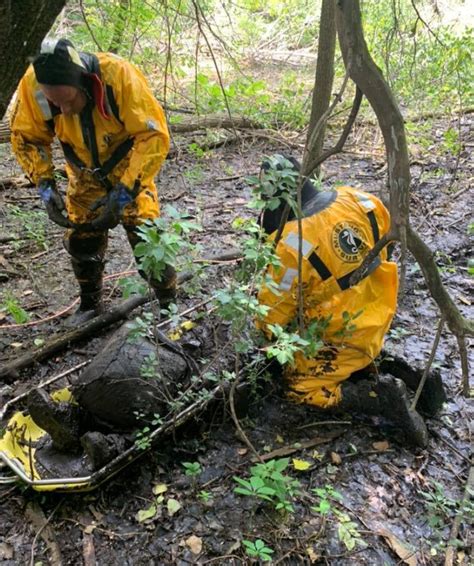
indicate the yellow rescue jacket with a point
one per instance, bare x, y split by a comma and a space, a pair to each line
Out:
125, 126
340, 228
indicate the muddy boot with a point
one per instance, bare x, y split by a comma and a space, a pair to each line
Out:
432, 395
388, 398
89, 277
60, 420
102, 448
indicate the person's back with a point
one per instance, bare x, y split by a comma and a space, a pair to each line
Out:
335, 242
348, 321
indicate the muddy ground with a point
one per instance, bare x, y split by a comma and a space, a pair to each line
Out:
381, 481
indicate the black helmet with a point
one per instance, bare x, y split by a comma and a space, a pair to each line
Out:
58, 63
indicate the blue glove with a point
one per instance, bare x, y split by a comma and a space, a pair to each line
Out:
54, 203
113, 204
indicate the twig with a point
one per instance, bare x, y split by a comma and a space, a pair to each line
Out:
35, 515
287, 450
342, 139
451, 548
84, 17
320, 423
233, 413
428, 365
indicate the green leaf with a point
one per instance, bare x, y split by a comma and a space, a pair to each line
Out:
146, 514
173, 506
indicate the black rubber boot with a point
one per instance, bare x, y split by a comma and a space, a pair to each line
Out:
60, 420
89, 275
102, 448
386, 398
432, 395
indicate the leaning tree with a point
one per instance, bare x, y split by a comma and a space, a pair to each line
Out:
23, 25
369, 81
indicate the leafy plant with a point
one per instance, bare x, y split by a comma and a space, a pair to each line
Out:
132, 286
143, 436
192, 469
347, 530
14, 309
205, 496
285, 344
258, 549
327, 495
268, 482
162, 241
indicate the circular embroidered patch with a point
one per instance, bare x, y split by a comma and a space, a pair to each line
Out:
348, 243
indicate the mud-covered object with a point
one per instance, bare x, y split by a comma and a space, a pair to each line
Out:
113, 390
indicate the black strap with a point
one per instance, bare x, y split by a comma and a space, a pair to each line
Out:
109, 92
344, 281
320, 266
100, 172
374, 225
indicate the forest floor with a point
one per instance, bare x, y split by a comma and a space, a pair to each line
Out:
385, 516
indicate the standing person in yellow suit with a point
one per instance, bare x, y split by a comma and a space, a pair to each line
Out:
114, 136
339, 228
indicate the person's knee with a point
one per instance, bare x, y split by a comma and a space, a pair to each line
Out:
86, 246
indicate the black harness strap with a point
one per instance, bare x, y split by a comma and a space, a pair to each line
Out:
100, 172
374, 225
319, 265
344, 281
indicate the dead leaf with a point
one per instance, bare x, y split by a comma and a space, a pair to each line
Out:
336, 459
89, 529
173, 506
313, 557
408, 556
27, 292
16, 344
279, 439
381, 446
160, 488
194, 544
6, 551
146, 514
301, 465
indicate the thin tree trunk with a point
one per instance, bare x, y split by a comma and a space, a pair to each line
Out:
323, 82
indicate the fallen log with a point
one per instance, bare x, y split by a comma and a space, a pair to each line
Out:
10, 371
236, 122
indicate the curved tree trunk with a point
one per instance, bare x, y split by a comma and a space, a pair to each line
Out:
368, 77
23, 25
323, 83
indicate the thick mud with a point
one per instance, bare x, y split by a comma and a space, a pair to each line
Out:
155, 511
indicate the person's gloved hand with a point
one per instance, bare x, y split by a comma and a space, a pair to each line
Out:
54, 203
113, 204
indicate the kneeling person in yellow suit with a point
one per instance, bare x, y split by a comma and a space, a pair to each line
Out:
114, 136
339, 228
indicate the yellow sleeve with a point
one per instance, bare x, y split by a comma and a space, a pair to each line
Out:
30, 136
144, 120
